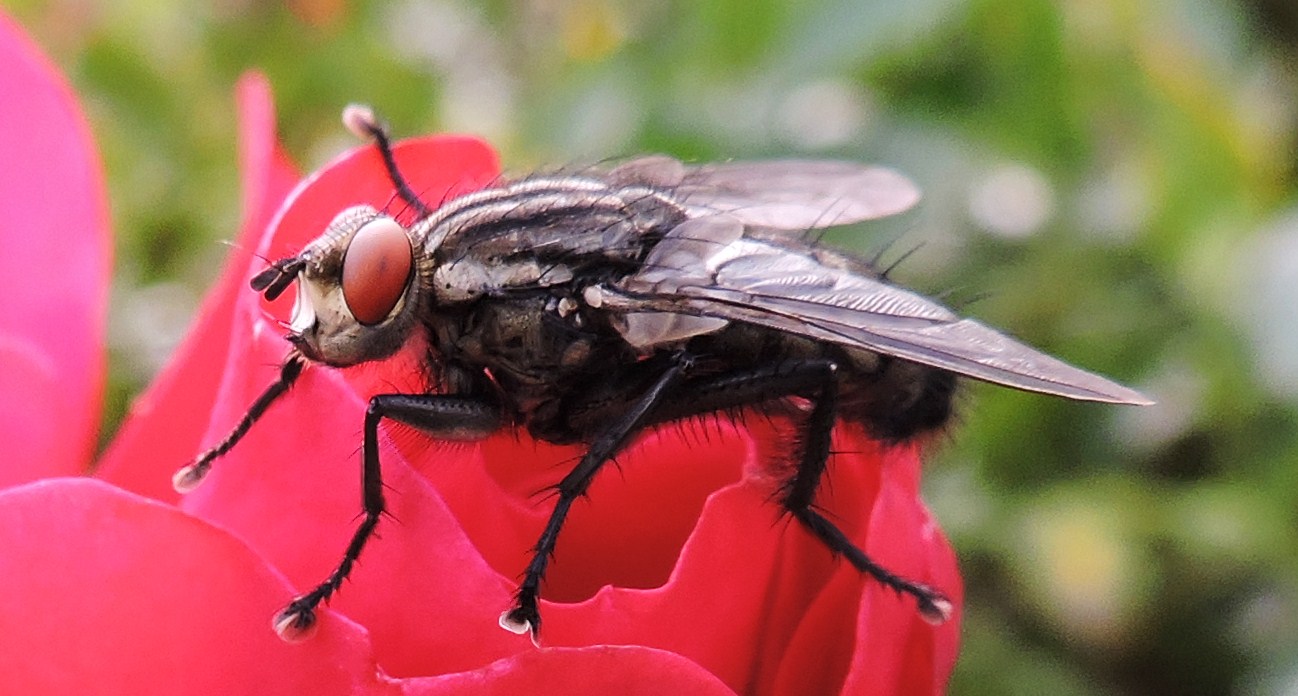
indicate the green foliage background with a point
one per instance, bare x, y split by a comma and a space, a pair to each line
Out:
1116, 177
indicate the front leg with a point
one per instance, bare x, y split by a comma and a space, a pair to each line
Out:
190, 475
448, 417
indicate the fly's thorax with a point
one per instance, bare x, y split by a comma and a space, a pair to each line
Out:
540, 232
464, 280
358, 290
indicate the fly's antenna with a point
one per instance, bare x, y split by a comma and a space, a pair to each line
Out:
361, 121
274, 280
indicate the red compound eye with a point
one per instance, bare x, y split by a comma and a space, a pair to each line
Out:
376, 269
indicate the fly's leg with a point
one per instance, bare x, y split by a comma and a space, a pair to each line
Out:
798, 495
451, 417
189, 476
812, 379
361, 121
525, 616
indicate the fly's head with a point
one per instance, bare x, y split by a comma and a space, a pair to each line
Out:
356, 289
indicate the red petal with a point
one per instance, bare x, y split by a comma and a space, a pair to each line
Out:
627, 532
111, 593
292, 490
53, 271
624, 533
751, 599
774, 602
897, 652
438, 167
167, 423
595, 671
780, 614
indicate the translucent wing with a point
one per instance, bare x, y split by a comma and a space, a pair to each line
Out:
779, 194
706, 272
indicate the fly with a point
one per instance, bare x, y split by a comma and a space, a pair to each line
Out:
689, 289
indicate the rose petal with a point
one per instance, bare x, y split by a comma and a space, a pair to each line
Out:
597, 671
266, 513
772, 598
746, 573
167, 423
28, 378
301, 458
753, 600
423, 588
627, 531
53, 270
429, 600
438, 167
719, 609
826, 636
897, 651
107, 592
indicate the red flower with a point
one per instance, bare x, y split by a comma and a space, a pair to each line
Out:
54, 264
677, 575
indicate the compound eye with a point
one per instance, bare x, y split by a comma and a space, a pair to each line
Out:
376, 269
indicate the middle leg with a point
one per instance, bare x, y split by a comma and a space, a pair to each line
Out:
525, 615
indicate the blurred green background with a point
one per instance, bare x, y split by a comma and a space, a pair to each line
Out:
1112, 181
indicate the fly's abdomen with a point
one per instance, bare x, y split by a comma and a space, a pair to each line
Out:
896, 400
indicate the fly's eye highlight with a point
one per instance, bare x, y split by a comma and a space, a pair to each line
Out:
376, 269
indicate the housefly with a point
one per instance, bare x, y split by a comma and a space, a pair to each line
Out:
688, 289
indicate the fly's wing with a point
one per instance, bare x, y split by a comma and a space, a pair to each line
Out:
706, 272
777, 194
